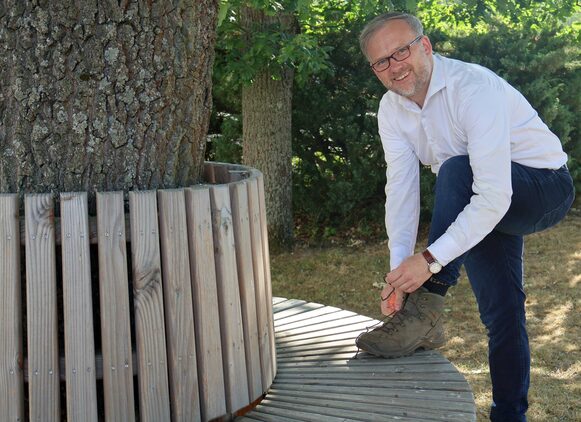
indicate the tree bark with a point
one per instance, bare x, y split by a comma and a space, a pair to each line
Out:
267, 137
104, 95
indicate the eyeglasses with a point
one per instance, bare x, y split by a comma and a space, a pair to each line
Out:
400, 54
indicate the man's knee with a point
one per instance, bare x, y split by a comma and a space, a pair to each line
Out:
456, 166
455, 178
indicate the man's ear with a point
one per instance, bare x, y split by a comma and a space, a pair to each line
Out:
427, 45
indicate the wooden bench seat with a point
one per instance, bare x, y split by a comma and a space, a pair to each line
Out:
321, 378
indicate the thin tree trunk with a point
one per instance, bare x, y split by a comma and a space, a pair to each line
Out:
267, 138
104, 95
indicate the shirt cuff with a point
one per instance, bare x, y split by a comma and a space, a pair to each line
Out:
445, 249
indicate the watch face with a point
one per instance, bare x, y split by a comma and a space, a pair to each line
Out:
435, 267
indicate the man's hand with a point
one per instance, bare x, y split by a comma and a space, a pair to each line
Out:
410, 275
391, 300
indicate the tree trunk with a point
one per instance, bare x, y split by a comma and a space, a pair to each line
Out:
267, 138
104, 95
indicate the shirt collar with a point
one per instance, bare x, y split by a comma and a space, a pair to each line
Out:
438, 80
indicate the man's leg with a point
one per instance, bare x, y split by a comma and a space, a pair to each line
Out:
541, 198
494, 268
452, 193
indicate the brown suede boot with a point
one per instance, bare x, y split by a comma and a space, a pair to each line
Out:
417, 325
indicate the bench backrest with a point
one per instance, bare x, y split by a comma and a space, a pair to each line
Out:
193, 291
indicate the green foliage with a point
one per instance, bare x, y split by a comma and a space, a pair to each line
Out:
534, 45
243, 52
225, 146
338, 165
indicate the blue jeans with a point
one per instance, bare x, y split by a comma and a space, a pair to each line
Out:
541, 198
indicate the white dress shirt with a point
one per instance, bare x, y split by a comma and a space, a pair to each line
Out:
471, 111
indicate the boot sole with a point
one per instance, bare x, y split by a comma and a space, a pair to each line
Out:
424, 343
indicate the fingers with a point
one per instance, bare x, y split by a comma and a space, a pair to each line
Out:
399, 297
391, 300
387, 300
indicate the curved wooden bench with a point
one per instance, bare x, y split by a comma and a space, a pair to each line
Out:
321, 378
193, 291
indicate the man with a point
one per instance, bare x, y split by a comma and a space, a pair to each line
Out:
501, 174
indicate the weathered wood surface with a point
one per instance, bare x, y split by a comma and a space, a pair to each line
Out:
262, 302
322, 377
205, 302
11, 379
246, 281
195, 286
229, 300
81, 385
151, 348
41, 298
117, 362
177, 294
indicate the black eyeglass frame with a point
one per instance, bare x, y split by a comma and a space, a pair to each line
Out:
406, 49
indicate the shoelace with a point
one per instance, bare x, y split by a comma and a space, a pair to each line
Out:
386, 322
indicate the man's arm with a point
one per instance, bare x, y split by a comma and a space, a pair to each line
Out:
484, 116
402, 205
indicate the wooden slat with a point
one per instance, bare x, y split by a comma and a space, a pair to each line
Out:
429, 384
324, 334
443, 397
205, 299
152, 380
308, 414
246, 281
287, 304
263, 417
11, 379
376, 397
114, 310
78, 309
41, 296
179, 318
229, 301
377, 409
262, 303
296, 314
316, 319
267, 280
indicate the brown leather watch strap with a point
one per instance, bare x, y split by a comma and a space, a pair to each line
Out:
428, 256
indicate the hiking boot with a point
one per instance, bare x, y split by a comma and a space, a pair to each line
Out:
417, 325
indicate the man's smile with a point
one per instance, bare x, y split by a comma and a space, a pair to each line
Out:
399, 78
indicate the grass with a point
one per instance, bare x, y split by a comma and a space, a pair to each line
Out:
349, 277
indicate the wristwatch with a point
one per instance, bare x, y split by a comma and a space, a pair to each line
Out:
433, 265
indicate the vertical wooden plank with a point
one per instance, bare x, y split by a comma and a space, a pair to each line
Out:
148, 301
267, 280
115, 321
78, 309
179, 318
205, 302
41, 305
263, 305
11, 378
246, 280
229, 301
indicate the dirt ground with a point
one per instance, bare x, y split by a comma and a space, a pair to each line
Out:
349, 277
